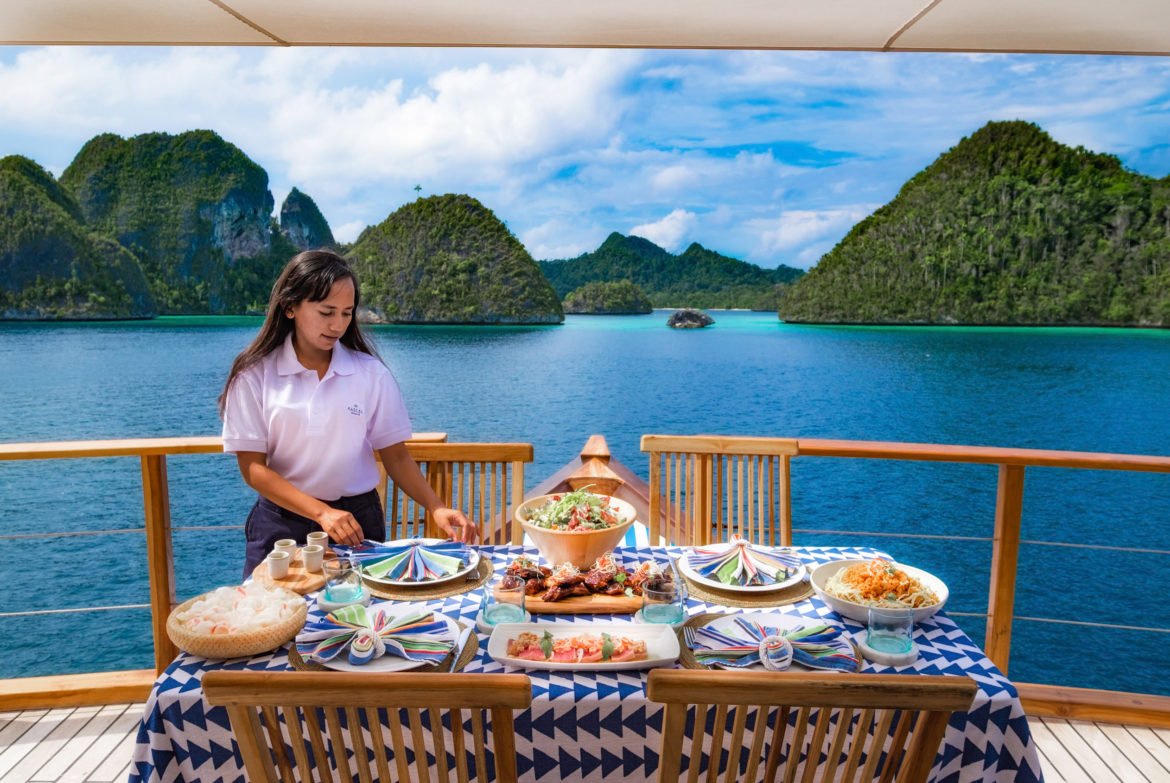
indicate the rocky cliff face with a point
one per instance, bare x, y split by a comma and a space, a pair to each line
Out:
449, 259
303, 224
193, 208
51, 266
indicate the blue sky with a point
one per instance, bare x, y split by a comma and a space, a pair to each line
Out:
767, 156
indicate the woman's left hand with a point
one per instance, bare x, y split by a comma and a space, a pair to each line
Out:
452, 522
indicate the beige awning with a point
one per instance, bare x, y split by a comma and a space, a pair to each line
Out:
1067, 26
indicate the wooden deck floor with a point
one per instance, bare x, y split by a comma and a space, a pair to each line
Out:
94, 744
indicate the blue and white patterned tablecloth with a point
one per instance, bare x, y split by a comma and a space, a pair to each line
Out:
592, 726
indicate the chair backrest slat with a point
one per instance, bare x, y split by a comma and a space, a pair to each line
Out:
313, 729
378, 740
901, 723
253, 750
460, 747
877, 741
802, 716
439, 741
477, 736
361, 759
416, 736
404, 697
394, 721
706, 488
276, 742
717, 743
735, 747
505, 755
844, 724
296, 738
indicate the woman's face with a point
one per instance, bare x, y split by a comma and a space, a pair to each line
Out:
319, 325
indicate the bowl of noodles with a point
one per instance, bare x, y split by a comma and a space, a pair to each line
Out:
851, 587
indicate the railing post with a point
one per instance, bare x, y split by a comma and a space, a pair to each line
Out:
786, 500
159, 557
1005, 557
517, 532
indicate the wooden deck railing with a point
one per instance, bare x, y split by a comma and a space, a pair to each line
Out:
1006, 539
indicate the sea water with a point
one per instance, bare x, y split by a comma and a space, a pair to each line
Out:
1078, 389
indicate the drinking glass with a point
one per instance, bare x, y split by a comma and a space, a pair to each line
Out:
663, 604
343, 581
889, 629
503, 604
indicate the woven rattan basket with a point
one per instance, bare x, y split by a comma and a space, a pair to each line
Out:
235, 645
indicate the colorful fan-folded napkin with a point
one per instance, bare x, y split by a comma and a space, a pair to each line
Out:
814, 644
742, 564
364, 635
409, 562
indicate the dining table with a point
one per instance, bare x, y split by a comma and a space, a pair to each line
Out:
599, 725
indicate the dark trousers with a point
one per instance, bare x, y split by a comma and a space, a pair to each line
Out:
268, 523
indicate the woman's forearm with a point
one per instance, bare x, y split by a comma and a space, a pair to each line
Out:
276, 487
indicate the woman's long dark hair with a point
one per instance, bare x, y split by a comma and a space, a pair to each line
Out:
307, 276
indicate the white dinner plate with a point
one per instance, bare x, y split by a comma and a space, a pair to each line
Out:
785, 622
684, 566
821, 575
389, 663
472, 564
661, 644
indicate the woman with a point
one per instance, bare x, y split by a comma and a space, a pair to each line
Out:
305, 407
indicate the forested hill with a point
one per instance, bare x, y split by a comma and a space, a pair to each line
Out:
50, 265
193, 208
1007, 227
697, 277
449, 259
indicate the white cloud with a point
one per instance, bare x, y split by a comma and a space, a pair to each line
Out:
795, 228
670, 232
562, 239
348, 232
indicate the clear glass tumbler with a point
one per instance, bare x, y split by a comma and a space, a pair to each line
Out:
343, 581
503, 601
663, 604
890, 629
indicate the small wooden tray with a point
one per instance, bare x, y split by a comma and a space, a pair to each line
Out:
298, 580
585, 604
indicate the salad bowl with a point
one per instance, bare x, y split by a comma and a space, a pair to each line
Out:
575, 527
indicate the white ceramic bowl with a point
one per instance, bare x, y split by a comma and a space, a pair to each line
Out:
579, 547
823, 573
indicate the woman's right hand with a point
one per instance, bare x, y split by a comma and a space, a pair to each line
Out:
341, 526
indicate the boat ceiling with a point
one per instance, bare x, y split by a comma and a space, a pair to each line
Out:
1059, 26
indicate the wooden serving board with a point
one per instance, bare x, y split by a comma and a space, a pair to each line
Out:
298, 580
585, 604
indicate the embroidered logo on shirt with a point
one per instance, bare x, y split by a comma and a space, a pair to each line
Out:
356, 410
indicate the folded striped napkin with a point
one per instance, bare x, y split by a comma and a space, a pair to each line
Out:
743, 564
410, 561
365, 635
815, 645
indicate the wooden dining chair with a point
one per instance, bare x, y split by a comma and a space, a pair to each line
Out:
271, 712
483, 480
706, 488
863, 727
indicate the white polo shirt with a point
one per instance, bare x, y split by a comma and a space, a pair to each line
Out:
318, 434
